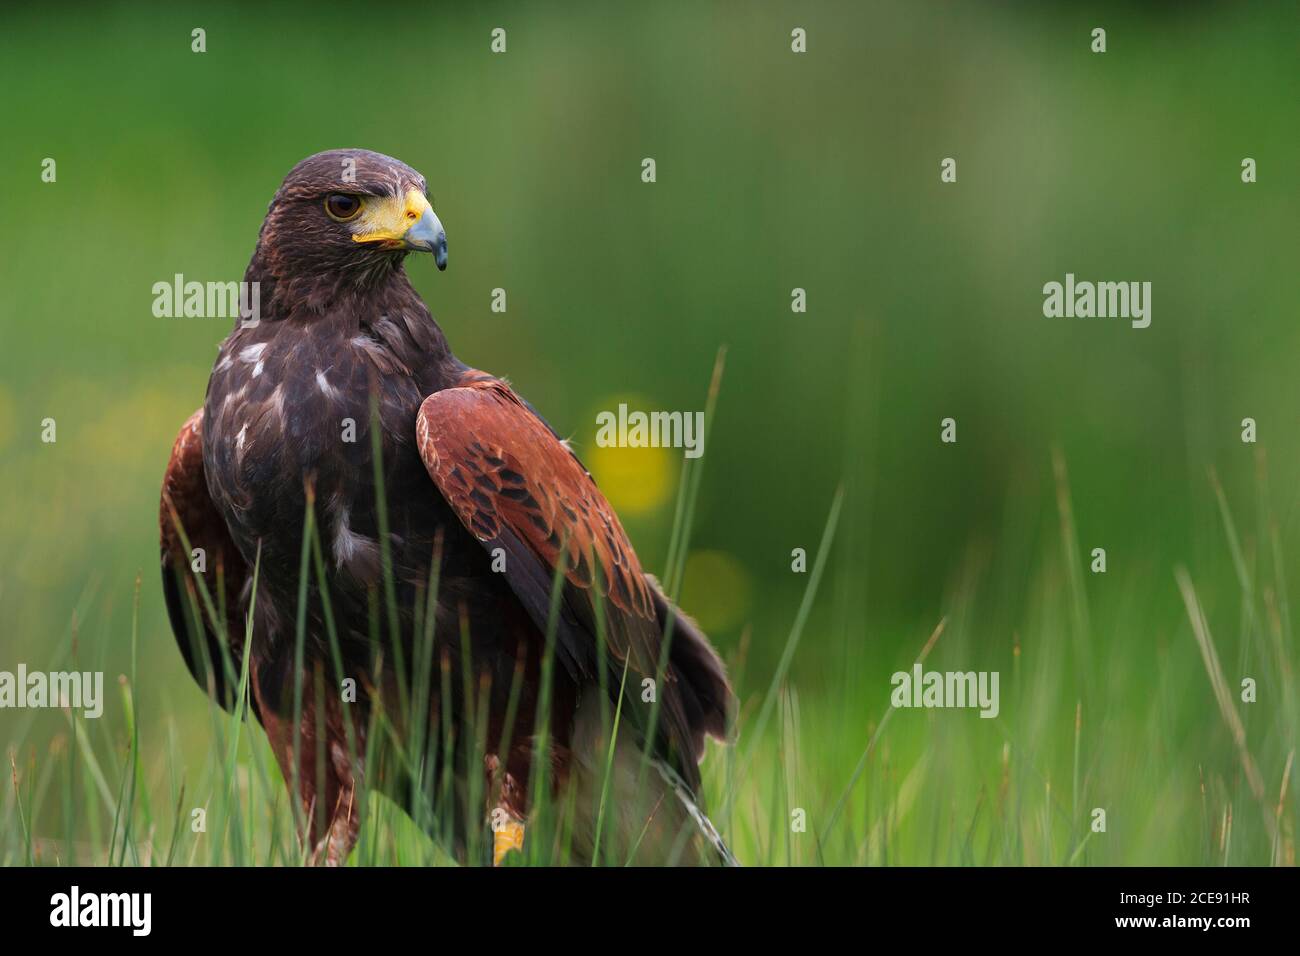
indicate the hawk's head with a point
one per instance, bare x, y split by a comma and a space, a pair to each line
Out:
349, 212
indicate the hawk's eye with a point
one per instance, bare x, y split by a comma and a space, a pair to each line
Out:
342, 207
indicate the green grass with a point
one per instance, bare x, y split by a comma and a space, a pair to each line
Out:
1186, 772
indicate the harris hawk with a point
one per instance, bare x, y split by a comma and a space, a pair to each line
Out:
474, 613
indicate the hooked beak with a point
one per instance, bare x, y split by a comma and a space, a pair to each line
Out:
406, 222
427, 235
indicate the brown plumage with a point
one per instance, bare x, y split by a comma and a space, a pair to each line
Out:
481, 496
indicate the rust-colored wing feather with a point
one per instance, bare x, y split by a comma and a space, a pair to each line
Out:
515, 486
503, 471
185, 500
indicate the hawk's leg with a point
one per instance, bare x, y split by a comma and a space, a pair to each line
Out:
333, 848
506, 816
507, 834
327, 778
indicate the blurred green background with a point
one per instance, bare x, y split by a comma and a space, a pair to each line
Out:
774, 171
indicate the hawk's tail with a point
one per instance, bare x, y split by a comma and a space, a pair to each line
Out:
687, 800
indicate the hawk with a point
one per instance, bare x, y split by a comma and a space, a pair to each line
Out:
427, 592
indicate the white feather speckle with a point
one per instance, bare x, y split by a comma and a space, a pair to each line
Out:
326, 389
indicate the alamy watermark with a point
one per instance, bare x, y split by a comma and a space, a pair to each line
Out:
1100, 300
180, 299
637, 429
75, 908
77, 690
919, 688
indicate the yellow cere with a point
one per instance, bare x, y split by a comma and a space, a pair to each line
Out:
386, 219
